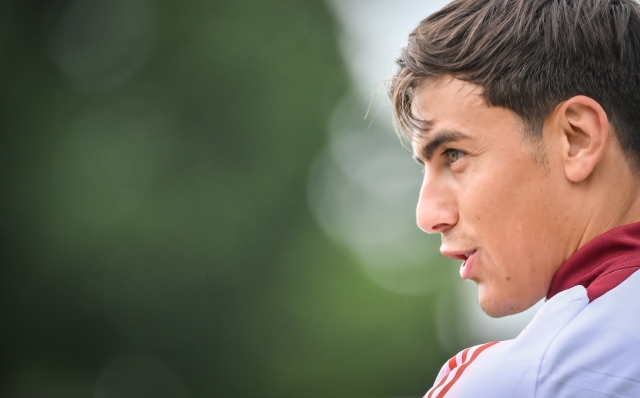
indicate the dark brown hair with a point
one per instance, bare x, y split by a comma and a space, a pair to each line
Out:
528, 56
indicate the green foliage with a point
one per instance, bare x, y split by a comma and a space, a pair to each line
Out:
163, 213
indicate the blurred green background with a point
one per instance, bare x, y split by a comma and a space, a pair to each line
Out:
156, 235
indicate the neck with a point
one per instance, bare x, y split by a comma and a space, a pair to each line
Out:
610, 201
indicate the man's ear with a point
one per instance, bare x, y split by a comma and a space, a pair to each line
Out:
584, 128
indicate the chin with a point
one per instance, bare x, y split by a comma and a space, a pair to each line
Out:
499, 305
498, 310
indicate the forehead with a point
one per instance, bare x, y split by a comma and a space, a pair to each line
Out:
446, 98
449, 104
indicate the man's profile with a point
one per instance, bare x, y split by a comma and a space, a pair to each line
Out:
526, 117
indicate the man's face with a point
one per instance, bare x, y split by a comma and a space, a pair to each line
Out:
490, 193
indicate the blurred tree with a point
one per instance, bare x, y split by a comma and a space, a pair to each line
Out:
153, 160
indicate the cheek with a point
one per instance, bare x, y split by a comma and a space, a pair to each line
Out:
505, 210
488, 199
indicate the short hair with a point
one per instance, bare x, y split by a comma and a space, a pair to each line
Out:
528, 56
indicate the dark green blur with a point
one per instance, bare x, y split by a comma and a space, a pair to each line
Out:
199, 251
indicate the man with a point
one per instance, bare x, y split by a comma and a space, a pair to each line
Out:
526, 117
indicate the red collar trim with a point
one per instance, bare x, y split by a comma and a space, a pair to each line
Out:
602, 264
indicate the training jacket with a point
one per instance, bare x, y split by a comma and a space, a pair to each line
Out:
583, 342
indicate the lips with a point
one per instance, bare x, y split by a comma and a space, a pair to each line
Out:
465, 268
467, 256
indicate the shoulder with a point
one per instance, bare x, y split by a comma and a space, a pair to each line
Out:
572, 347
454, 369
509, 368
597, 352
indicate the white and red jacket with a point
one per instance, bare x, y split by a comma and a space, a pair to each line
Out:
583, 342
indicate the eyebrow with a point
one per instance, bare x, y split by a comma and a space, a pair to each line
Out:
440, 138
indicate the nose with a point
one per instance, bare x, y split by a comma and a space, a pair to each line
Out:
437, 210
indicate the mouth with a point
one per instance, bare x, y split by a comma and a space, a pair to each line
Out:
466, 256
458, 255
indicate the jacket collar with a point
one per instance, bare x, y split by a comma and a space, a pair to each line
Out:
602, 264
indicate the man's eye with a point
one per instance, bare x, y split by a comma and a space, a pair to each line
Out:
453, 155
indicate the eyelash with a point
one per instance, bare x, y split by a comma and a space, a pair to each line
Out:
446, 155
